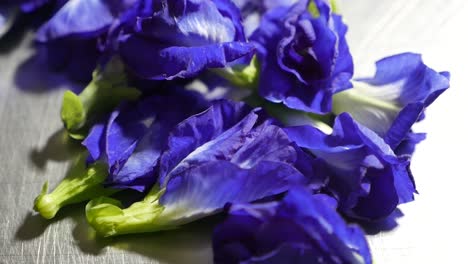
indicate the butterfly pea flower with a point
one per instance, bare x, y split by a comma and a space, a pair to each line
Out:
227, 153
302, 228
180, 38
132, 139
365, 175
303, 55
72, 38
395, 98
122, 151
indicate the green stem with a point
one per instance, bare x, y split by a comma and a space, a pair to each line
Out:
242, 77
81, 184
107, 217
107, 89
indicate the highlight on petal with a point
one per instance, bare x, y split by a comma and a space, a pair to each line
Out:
302, 228
181, 39
77, 17
227, 153
366, 176
395, 98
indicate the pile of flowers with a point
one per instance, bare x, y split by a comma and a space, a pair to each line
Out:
242, 107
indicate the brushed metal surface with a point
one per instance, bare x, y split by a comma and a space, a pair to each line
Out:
33, 149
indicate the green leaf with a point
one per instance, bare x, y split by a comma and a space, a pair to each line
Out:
107, 90
81, 184
107, 217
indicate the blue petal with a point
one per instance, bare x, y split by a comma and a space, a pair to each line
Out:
367, 178
94, 141
408, 145
76, 56
225, 154
133, 138
303, 228
77, 17
228, 9
151, 60
304, 59
392, 101
8, 15
183, 38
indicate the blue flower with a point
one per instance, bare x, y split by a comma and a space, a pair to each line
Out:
74, 36
302, 228
182, 38
365, 175
133, 137
231, 149
304, 56
395, 98
228, 153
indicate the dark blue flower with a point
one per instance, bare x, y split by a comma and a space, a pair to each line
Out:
181, 38
228, 153
132, 139
365, 175
395, 98
304, 56
74, 36
303, 228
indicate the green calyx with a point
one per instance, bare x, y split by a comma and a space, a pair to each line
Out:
107, 89
108, 218
81, 184
242, 77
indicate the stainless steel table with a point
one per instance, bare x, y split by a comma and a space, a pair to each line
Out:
33, 148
